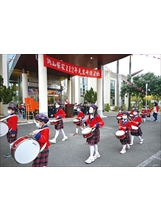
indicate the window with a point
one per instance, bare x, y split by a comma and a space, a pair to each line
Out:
83, 85
112, 92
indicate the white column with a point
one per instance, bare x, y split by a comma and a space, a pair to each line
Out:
24, 86
76, 89
99, 95
69, 90
42, 79
5, 69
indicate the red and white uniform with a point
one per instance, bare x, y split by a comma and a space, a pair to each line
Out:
60, 114
12, 123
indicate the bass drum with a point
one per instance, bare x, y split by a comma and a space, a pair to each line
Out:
3, 129
134, 129
76, 121
120, 134
25, 149
87, 132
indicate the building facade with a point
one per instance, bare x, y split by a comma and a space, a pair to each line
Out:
47, 88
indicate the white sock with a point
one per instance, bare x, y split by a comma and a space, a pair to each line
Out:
91, 151
124, 147
10, 145
132, 139
139, 137
63, 133
96, 149
76, 130
56, 134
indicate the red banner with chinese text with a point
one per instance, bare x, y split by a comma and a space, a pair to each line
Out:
70, 68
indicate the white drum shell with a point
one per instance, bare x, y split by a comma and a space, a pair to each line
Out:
3, 129
86, 131
120, 133
26, 151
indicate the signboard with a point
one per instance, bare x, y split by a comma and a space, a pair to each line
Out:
70, 68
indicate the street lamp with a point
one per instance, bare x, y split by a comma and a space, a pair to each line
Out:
147, 93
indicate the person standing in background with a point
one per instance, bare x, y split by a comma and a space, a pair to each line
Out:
155, 111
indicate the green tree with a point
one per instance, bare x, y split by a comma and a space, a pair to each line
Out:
6, 93
90, 96
154, 84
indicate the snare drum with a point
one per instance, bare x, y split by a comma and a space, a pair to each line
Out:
76, 121
87, 132
54, 122
118, 117
134, 129
120, 134
25, 149
3, 129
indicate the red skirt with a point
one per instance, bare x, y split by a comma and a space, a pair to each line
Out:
42, 159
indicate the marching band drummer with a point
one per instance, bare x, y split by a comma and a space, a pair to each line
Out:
80, 117
136, 121
95, 122
125, 125
143, 113
42, 138
12, 125
119, 115
59, 126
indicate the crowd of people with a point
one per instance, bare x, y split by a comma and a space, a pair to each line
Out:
129, 127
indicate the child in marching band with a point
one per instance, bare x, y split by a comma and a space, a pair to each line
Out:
43, 139
143, 113
125, 125
12, 125
60, 114
119, 115
136, 121
80, 117
95, 122
148, 113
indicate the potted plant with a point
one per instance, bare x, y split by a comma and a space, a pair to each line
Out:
6, 94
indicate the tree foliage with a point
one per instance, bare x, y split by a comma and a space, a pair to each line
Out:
154, 84
90, 96
6, 93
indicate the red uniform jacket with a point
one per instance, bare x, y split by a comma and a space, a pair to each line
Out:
119, 115
125, 126
136, 121
97, 120
143, 111
60, 114
80, 115
149, 111
43, 137
131, 113
157, 109
12, 123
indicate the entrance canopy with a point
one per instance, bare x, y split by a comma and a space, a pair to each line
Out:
29, 61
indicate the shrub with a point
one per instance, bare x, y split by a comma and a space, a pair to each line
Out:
107, 107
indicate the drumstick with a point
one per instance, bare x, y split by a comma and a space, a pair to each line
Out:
31, 134
5, 118
54, 120
43, 147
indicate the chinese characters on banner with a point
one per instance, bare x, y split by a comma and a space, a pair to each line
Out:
70, 68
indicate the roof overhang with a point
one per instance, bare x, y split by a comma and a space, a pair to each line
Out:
29, 62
